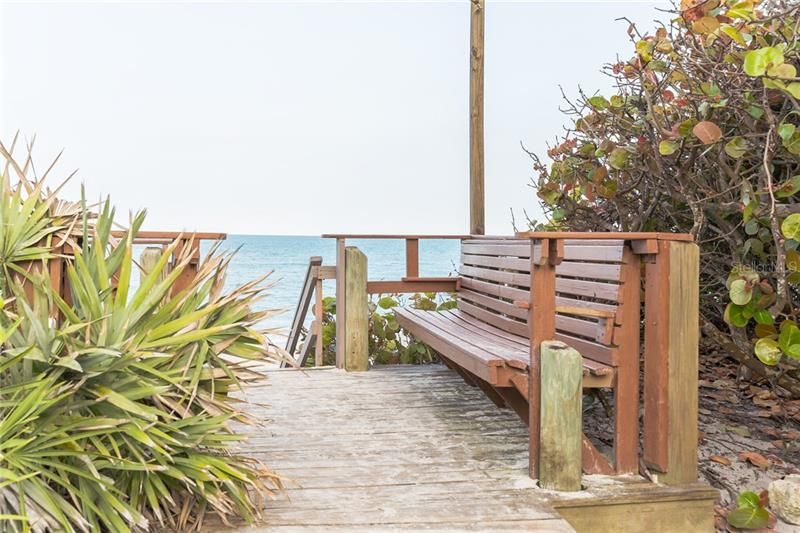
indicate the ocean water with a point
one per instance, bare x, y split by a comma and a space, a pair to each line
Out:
286, 258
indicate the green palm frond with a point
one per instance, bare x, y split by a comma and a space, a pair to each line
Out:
114, 406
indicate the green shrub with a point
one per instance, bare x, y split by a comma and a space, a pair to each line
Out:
700, 136
114, 407
388, 343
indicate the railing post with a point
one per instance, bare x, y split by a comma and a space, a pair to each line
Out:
341, 303
561, 417
412, 258
318, 311
671, 362
542, 328
148, 259
626, 391
190, 270
356, 337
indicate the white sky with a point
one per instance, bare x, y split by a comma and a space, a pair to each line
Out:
295, 117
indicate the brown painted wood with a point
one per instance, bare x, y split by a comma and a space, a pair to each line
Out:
602, 235
515, 401
303, 304
171, 235
341, 304
656, 364
412, 258
186, 248
318, 312
390, 236
626, 392
593, 461
493, 289
543, 308
327, 272
405, 287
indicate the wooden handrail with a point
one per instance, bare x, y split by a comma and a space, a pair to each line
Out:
605, 235
302, 306
391, 236
410, 283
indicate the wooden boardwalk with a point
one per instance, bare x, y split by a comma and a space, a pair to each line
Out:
401, 447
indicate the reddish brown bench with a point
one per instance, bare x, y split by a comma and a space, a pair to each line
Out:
486, 338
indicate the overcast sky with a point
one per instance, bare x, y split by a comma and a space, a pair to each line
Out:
298, 117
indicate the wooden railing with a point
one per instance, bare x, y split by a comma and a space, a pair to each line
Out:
312, 286
410, 283
57, 266
189, 240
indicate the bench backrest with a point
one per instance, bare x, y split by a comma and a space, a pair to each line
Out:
495, 272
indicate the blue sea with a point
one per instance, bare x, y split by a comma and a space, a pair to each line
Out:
286, 257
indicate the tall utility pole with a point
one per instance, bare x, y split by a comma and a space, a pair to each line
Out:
477, 217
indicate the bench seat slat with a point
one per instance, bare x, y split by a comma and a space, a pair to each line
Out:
458, 338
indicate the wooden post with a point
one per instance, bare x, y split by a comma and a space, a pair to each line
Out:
318, 322
357, 312
148, 259
626, 391
341, 303
477, 223
412, 258
190, 270
671, 362
561, 417
543, 308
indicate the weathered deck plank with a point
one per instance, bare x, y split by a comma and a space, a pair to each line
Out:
400, 448
393, 448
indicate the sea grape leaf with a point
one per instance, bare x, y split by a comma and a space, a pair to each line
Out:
598, 102
707, 132
757, 61
793, 89
705, 25
734, 315
736, 147
785, 131
667, 147
768, 351
617, 158
790, 227
387, 302
784, 71
789, 187
762, 316
740, 292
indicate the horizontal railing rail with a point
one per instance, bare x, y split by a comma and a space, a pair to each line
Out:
411, 282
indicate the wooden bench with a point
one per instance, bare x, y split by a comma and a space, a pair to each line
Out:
487, 338
516, 293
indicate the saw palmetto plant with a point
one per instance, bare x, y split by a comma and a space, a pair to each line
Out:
114, 402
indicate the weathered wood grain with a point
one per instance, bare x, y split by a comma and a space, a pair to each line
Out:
405, 448
561, 430
356, 327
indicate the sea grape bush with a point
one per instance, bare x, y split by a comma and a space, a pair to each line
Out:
700, 136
